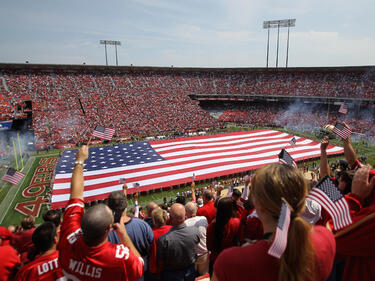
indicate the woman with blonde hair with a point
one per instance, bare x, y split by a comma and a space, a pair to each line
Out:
292, 251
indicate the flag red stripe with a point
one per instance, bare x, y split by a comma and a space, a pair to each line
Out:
175, 173
161, 174
249, 145
157, 167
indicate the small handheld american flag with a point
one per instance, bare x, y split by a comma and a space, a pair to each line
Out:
285, 158
281, 237
327, 194
103, 133
293, 142
12, 176
343, 109
122, 180
341, 131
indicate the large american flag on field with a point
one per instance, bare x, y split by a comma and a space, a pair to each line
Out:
163, 163
13, 177
327, 194
103, 133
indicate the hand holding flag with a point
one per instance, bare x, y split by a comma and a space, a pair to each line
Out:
343, 109
103, 133
341, 130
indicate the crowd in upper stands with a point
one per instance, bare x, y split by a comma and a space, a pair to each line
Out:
202, 236
67, 106
302, 116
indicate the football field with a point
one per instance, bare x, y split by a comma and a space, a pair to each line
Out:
32, 194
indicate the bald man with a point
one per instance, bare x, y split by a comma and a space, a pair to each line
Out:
85, 253
176, 250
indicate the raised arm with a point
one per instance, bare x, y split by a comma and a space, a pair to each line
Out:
324, 167
136, 205
349, 152
192, 189
77, 183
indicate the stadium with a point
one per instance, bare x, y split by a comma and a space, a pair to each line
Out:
59, 106
276, 160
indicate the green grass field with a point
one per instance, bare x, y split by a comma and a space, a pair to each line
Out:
11, 195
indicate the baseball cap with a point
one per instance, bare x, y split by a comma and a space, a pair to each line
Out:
312, 211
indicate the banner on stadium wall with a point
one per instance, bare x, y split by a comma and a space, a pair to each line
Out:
6, 125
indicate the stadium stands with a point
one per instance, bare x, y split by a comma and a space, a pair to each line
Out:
155, 101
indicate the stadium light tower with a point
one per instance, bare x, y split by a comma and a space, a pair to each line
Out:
110, 42
277, 24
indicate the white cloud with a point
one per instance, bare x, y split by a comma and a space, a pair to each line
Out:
331, 48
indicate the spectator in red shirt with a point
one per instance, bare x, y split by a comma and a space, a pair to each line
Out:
159, 218
236, 195
22, 240
46, 265
6, 236
357, 242
85, 252
309, 251
208, 210
223, 232
9, 262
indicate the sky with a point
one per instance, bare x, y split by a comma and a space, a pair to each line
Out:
195, 33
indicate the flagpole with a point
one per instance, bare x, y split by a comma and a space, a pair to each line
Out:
19, 148
15, 153
88, 143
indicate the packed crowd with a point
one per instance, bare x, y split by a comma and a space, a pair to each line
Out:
202, 236
278, 115
152, 103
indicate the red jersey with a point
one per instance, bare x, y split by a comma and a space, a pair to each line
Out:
240, 210
9, 260
157, 233
104, 262
230, 237
358, 246
254, 261
208, 210
43, 268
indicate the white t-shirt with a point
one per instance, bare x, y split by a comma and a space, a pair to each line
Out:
201, 223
